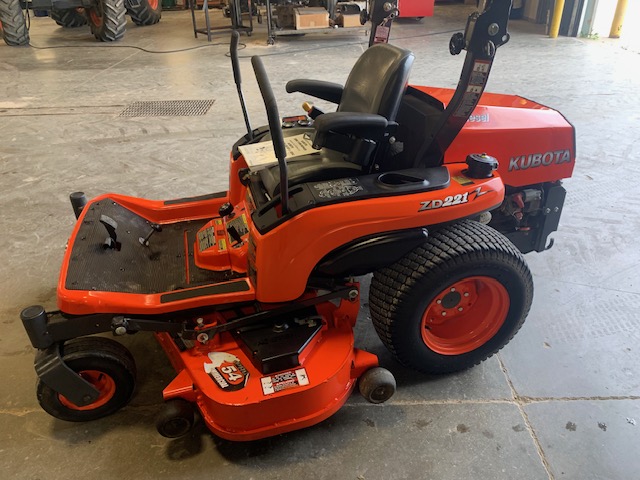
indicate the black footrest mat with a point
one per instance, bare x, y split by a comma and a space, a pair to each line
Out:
165, 265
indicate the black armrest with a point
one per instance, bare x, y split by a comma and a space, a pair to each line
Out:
368, 126
331, 92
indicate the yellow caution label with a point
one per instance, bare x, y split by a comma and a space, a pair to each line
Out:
222, 245
218, 221
464, 181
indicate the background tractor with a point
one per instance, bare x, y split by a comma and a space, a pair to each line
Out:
105, 17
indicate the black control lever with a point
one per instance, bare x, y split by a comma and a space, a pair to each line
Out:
112, 240
275, 128
235, 64
154, 228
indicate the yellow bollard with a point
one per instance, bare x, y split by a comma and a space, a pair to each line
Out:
618, 19
557, 17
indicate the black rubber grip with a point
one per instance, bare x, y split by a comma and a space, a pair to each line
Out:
272, 108
235, 62
275, 128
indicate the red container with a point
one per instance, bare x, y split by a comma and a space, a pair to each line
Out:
415, 8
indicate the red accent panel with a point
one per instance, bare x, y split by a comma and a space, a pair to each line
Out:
415, 8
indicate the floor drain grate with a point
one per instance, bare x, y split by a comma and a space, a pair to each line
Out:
168, 108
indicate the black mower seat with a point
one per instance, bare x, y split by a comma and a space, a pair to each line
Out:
374, 88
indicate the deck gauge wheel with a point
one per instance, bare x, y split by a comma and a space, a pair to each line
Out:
377, 385
176, 418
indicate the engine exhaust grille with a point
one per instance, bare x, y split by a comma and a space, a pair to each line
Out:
168, 108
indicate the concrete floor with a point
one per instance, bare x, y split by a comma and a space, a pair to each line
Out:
562, 400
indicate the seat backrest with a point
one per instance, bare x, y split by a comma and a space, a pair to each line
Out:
377, 81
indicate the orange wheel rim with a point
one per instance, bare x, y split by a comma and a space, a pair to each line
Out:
153, 4
465, 315
96, 17
103, 382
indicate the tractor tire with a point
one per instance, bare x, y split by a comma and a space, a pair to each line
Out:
105, 363
453, 302
107, 20
144, 12
13, 23
69, 18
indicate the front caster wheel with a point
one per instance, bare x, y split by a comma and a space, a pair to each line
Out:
104, 363
454, 301
377, 385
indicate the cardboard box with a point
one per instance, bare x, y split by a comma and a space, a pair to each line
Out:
348, 20
311, 17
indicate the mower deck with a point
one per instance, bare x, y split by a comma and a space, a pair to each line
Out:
320, 378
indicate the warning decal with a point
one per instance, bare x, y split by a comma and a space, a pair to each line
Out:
282, 381
206, 239
227, 371
338, 188
477, 82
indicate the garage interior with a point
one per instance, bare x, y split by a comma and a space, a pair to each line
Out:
561, 400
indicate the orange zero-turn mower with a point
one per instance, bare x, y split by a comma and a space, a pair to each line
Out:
251, 292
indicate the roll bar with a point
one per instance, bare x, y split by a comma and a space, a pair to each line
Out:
484, 33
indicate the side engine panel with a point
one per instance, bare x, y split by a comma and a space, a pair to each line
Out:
533, 143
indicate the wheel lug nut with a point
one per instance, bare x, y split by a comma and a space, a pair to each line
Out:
438, 302
459, 309
453, 289
466, 294
444, 314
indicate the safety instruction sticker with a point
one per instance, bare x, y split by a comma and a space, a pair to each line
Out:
477, 82
206, 239
240, 224
260, 155
285, 380
464, 181
227, 371
338, 188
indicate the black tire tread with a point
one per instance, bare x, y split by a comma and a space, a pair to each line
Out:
454, 244
68, 18
105, 346
143, 14
14, 26
113, 21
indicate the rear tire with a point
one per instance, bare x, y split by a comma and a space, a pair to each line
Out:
70, 18
453, 302
107, 20
144, 12
106, 364
13, 23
